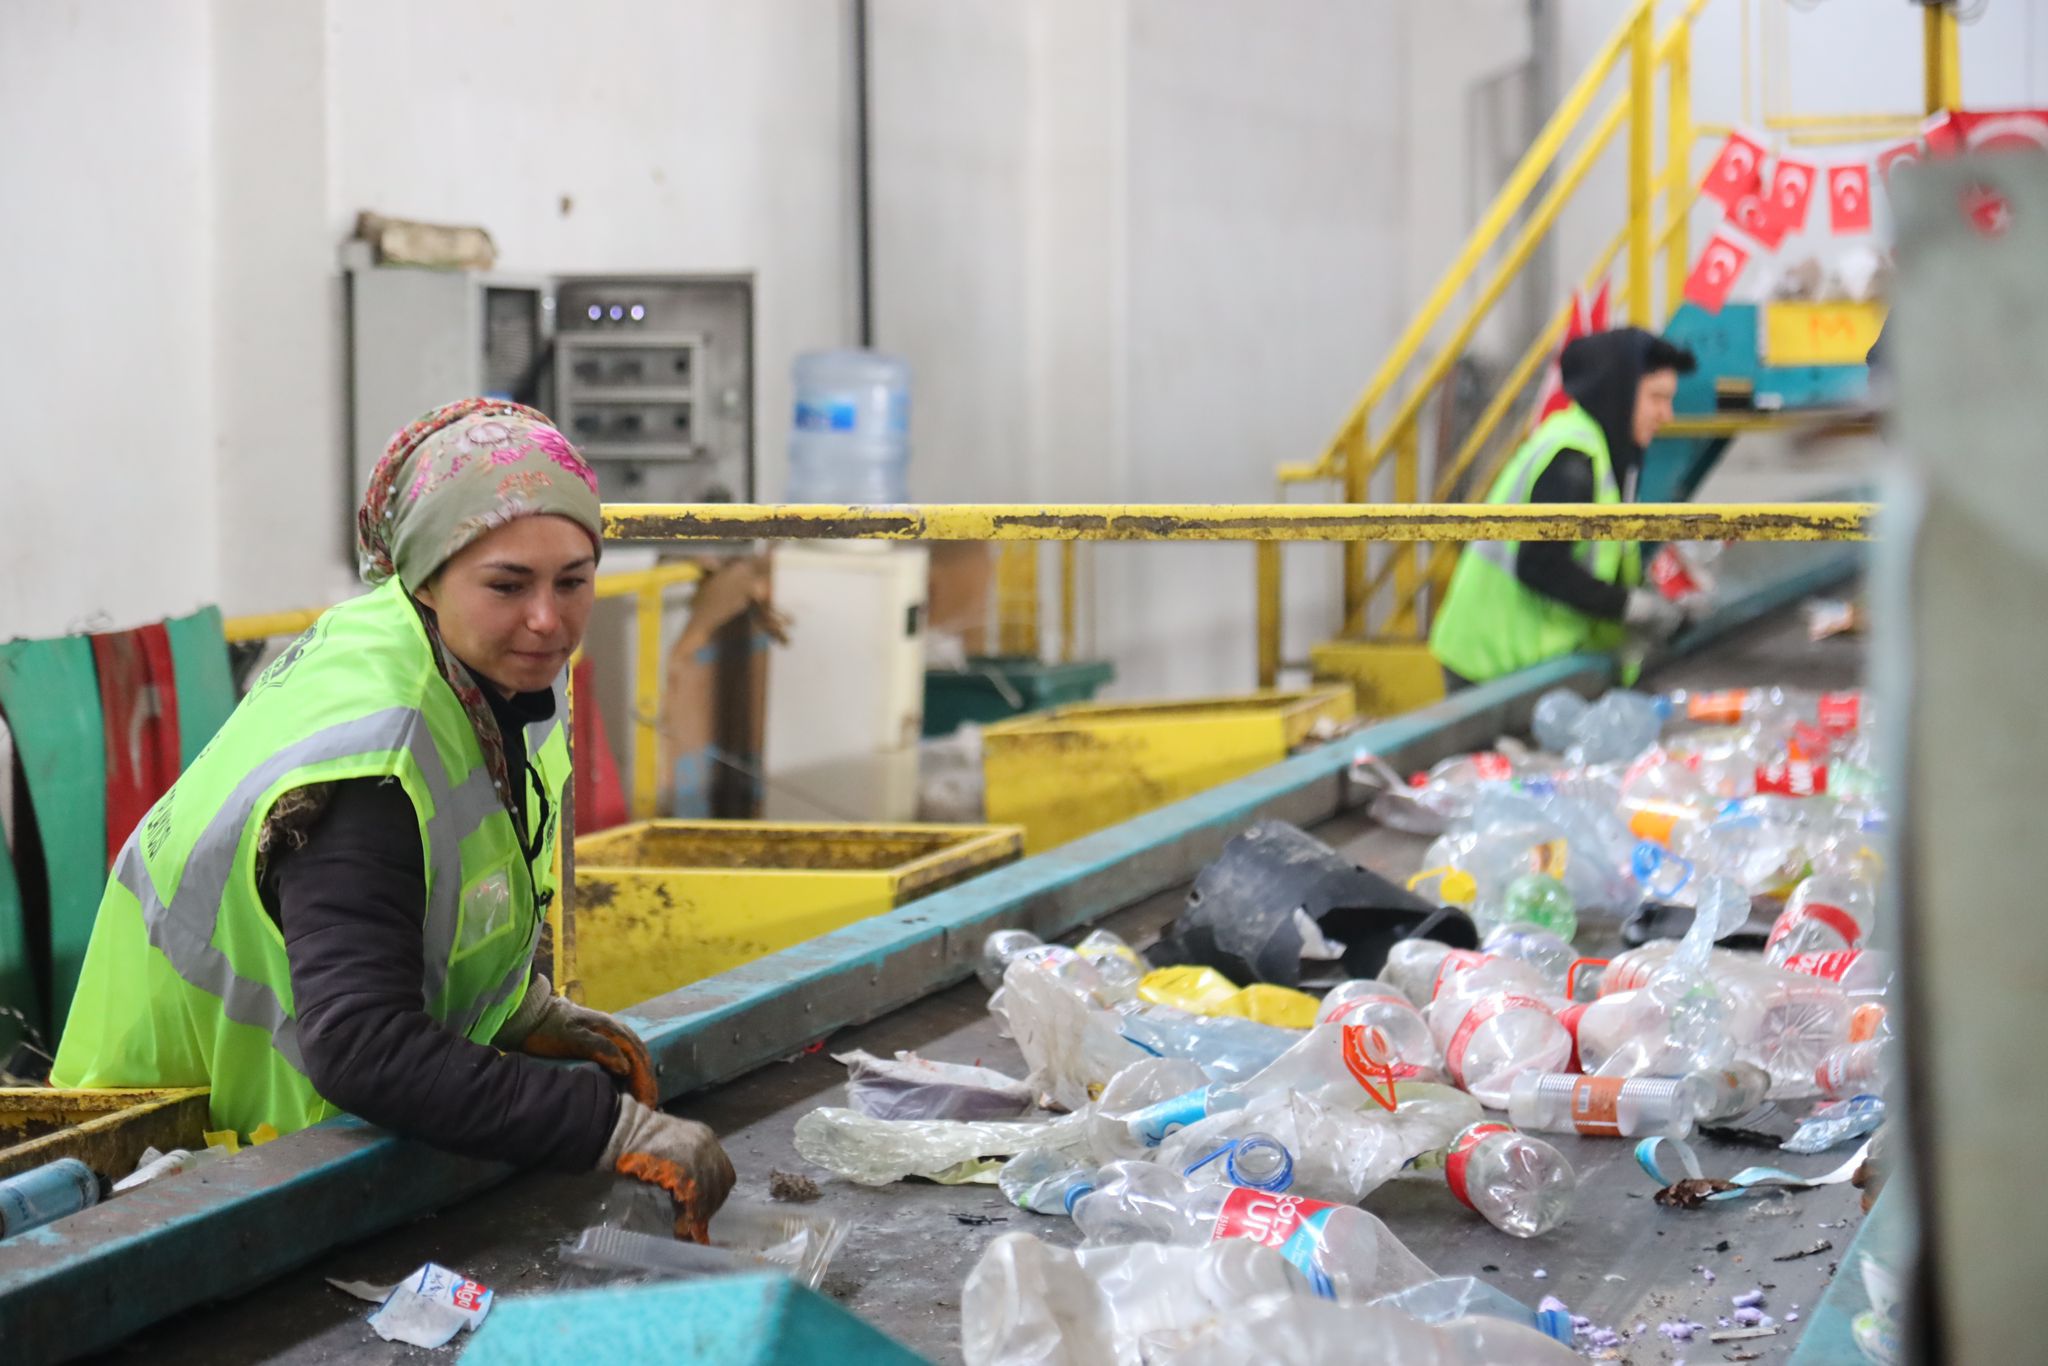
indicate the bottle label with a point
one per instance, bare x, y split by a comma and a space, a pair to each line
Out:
1865, 1021
1289, 1224
1492, 767
1479, 1014
1841, 712
1834, 917
1569, 1017
833, 414
1669, 573
1833, 1075
1716, 708
1831, 967
1594, 1101
1457, 960
1461, 1157
1356, 1003
1792, 778
1151, 1125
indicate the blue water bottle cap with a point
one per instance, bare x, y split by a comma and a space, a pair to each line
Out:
1075, 1194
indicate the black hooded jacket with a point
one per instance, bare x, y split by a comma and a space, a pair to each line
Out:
1600, 374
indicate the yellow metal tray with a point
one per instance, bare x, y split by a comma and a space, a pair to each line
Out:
1075, 770
106, 1130
660, 904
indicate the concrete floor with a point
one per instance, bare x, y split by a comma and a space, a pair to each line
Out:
1621, 1260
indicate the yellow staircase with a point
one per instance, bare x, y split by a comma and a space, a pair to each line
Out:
1378, 449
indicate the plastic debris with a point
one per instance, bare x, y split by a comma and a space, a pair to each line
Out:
910, 1087
427, 1308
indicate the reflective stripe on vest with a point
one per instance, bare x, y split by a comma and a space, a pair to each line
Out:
183, 930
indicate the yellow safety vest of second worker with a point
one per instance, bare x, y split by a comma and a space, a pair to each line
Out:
1492, 624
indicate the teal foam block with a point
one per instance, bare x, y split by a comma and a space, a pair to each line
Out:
717, 1321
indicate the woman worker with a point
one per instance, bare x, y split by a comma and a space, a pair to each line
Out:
336, 907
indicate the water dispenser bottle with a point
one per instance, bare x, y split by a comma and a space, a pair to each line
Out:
849, 438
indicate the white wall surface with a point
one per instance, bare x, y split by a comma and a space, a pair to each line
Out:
1135, 249
108, 513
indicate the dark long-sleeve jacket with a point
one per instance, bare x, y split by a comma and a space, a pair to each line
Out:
351, 901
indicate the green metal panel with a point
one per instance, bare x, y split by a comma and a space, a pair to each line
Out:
758, 1320
998, 687
17, 974
206, 687
50, 693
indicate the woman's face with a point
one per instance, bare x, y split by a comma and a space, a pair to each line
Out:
513, 605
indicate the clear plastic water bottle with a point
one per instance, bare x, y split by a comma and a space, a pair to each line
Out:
1345, 1252
1521, 1185
1852, 1069
1368, 1001
1826, 913
1862, 974
1119, 965
1548, 955
1615, 729
849, 438
999, 949
1044, 1180
1227, 1047
1607, 1107
1623, 1034
1493, 1039
1725, 1093
1412, 967
1556, 721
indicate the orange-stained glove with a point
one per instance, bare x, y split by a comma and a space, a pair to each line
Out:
551, 1026
680, 1156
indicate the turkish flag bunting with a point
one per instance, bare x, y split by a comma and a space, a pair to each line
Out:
1758, 217
2022, 130
1791, 192
1737, 171
1849, 198
1906, 154
1715, 273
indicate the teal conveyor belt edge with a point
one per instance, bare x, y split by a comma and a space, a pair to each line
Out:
84, 1283
1886, 1234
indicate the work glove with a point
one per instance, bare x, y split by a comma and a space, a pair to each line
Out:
1652, 617
551, 1026
680, 1156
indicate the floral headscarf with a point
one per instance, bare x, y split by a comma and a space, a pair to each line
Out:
448, 479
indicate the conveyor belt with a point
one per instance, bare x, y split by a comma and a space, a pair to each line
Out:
1620, 1260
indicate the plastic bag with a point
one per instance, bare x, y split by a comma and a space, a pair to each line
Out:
876, 1152
910, 1087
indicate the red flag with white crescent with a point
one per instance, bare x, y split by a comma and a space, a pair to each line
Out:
1791, 193
1849, 198
1737, 170
1715, 273
1758, 217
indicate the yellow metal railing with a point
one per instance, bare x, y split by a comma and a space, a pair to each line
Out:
645, 586
1508, 235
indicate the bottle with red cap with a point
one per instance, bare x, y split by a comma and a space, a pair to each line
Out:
1369, 1001
1521, 1185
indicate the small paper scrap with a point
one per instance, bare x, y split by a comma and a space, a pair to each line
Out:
427, 1308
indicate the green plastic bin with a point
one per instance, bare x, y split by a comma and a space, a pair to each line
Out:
998, 687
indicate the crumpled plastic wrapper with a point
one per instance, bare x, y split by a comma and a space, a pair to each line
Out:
911, 1087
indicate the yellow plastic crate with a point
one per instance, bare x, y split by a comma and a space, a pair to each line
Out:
1802, 333
1078, 769
660, 904
106, 1130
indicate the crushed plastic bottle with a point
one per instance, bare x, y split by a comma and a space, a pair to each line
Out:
1044, 1180
1458, 1297
1617, 728
1853, 1069
1521, 1185
1283, 1332
1546, 954
1344, 1252
1555, 722
875, 1152
1831, 911
1836, 1123
1727, 1093
1534, 899
1863, 974
1120, 966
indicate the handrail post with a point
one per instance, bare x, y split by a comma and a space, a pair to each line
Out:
1943, 59
1642, 115
1678, 164
646, 701
1268, 553
1407, 618
1356, 481
1069, 550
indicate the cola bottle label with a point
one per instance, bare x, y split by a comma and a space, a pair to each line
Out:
1834, 917
1841, 712
1289, 1224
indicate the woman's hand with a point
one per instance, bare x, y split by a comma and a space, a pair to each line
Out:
551, 1026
